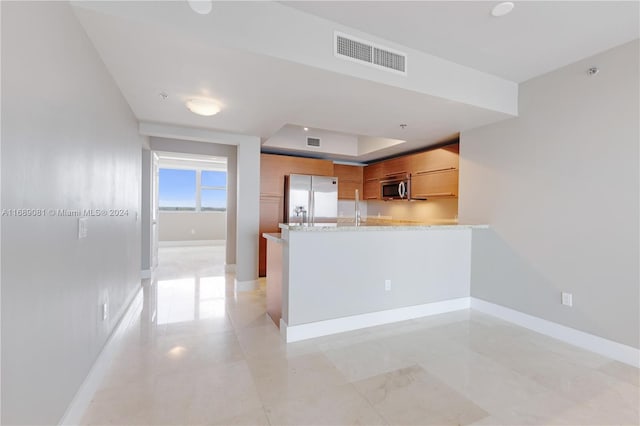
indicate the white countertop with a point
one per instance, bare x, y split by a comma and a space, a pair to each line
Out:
333, 227
273, 236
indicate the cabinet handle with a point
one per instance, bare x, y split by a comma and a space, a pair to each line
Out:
395, 173
371, 198
371, 180
425, 172
435, 194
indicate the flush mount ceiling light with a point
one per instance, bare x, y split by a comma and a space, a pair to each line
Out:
306, 129
502, 9
205, 107
203, 7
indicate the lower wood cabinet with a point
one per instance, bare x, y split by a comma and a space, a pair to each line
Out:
435, 184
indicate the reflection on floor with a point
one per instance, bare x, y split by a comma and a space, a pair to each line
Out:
202, 354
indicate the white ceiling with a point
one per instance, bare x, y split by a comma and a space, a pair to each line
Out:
152, 47
535, 38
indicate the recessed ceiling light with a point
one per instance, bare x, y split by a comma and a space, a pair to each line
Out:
502, 9
203, 7
204, 107
306, 129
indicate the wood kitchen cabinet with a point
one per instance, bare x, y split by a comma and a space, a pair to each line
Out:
396, 166
349, 179
273, 169
445, 158
438, 184
372, 175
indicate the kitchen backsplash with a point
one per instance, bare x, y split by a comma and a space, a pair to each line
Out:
444, 210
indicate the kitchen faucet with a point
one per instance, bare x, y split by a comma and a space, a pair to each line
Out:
301, 210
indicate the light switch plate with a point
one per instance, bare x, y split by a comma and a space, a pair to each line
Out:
567, 299
387, 285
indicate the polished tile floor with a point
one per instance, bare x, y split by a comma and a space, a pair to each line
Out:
202, 354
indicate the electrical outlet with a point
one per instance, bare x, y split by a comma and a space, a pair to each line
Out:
105, 311
82, 228
387, 285
567, 299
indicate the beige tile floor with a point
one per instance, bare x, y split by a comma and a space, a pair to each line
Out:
202, 354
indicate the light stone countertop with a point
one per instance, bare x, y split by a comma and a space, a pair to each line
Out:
346, 226
273, 236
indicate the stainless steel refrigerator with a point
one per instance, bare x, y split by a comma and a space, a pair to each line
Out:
310, 199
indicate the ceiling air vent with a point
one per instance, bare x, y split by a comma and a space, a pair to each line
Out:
351, 48
313, 142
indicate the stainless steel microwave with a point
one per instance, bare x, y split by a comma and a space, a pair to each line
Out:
395, 188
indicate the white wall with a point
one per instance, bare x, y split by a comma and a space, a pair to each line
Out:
192, 226
69, 141
559, 187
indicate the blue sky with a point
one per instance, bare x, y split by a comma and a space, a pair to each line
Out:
177, 188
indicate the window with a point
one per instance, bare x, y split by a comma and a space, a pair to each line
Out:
192, 190
213, 191
177, 190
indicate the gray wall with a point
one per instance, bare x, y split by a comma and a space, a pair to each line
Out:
69, 140
560, 188
329, 275
192, 226
220, 150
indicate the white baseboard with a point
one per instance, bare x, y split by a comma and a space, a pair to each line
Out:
229, 267
190, 243
145, 274
296, 333
590, 342
246, 285
80, 403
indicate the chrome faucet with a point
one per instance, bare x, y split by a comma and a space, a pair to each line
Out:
357, 208
301, 210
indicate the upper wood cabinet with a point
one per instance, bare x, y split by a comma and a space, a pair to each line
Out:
441, 162
445, 158
273, 169
349, 179
396, 166
439, 184
371, 185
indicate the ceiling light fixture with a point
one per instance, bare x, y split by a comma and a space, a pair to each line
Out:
205, 107
502, 9
203, 7
306, 129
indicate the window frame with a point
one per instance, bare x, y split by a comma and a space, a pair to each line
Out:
199, 188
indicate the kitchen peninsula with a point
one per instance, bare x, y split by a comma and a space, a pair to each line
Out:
338, 277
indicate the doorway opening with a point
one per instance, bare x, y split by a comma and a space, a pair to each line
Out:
191, 200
